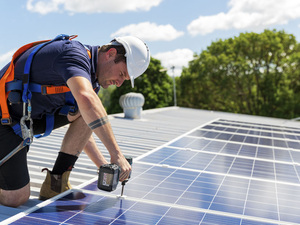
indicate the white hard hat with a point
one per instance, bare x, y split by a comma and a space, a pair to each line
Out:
137, 55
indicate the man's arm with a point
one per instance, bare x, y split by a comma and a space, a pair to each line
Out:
93, 113
91, 148
93, 152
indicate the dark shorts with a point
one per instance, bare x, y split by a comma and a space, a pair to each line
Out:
14, 172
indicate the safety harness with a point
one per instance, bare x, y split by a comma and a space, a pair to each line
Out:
8, 85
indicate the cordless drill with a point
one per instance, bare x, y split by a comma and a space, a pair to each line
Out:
109, 176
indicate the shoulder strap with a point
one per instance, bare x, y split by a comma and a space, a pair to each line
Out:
9, 76
26, 92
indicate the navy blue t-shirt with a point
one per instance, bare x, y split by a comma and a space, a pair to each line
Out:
54, 64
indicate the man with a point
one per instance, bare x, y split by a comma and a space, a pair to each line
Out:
82, 69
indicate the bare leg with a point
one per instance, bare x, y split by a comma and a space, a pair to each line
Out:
76, 137
91, 148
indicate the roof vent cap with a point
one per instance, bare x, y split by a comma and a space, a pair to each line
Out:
132, 104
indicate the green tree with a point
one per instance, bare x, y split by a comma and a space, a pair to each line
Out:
252, 74
156, 86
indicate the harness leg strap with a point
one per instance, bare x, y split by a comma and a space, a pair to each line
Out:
49, 126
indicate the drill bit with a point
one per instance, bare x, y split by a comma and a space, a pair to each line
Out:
123, 185
129, 160
122, 190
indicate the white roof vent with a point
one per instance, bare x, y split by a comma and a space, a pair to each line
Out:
132, 104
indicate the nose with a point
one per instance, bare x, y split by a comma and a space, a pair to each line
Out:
119, 83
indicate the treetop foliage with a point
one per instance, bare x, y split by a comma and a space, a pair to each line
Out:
253, 73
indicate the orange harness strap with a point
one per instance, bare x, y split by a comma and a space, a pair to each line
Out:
50, 90
9, 76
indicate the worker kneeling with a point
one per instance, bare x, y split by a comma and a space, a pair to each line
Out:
50, 84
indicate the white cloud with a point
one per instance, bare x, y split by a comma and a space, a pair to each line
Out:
6, 58
149, 32
43, 7
247, 14
177, 58
90, 6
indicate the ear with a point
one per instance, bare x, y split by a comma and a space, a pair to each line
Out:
111, 53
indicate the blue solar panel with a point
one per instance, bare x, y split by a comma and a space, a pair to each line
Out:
227, 172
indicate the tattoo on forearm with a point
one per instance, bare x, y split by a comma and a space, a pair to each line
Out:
98, 123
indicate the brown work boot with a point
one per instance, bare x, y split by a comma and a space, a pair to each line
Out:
54, 184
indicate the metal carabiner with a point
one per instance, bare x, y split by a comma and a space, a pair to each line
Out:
27, 133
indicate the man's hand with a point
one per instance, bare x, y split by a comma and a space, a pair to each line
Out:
121, 161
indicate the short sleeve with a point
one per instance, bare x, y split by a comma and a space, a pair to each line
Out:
73, 61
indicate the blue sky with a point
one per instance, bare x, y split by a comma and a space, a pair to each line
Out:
173, 29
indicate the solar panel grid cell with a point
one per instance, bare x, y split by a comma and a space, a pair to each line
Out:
230, 148
214, 146
250, 151
293, 145
242, 167
238, 138
218, 219
249, 222
242, 131
265, 153
287, 173
181, 216
283, 155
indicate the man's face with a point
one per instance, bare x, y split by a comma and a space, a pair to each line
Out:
109, 72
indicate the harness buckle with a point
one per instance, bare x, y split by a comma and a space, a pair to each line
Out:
6, 121
44, 89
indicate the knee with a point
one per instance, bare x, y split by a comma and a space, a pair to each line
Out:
15, 198
73, 116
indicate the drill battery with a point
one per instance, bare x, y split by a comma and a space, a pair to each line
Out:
108, 177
